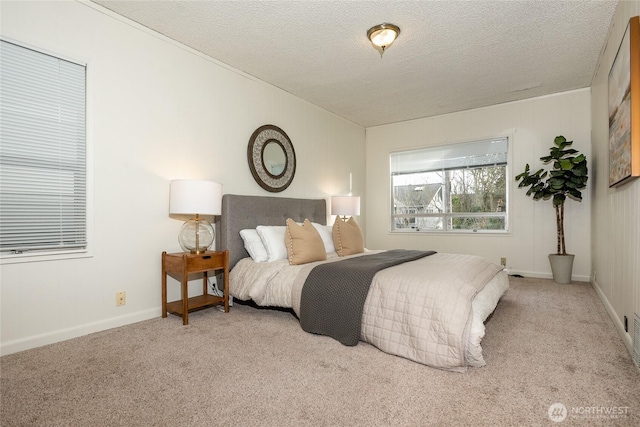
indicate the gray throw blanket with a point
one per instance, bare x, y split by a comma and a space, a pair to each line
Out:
333, 295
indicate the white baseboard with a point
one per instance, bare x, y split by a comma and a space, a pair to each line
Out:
76, 331
626, 337
538, 275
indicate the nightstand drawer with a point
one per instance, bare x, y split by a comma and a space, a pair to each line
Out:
206, 261
175, 263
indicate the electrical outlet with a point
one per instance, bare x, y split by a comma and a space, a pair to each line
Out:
121, 298
503, 261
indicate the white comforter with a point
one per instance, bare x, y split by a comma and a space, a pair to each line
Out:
462, 291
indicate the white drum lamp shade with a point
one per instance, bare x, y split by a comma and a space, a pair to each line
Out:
195, 197
345, 205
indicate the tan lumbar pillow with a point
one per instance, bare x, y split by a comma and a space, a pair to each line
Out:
347, 237
303, 243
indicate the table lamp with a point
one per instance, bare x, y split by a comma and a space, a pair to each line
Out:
195, 197
345, 205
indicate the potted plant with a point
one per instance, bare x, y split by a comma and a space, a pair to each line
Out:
568, 175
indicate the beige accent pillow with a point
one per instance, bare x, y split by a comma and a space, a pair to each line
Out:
347, 237
303, 243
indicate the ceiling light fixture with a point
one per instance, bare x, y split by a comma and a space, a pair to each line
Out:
382, 36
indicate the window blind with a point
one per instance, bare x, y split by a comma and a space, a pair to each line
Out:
42, 151
454, 156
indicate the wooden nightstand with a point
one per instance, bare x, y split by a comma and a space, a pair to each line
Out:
185, 264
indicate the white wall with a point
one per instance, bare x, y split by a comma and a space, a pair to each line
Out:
160, 112
616, 211
532, 125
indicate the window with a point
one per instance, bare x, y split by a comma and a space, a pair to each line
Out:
452, 188
42, 153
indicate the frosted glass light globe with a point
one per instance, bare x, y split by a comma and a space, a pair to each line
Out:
382, 36
187, 236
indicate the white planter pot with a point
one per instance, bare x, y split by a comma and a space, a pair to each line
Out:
561, 267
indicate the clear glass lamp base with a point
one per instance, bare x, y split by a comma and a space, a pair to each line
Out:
196, 236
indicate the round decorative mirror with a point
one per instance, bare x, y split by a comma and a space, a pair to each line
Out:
271, 157
274, 158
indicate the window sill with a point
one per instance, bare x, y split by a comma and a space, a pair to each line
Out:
43, 256
451, 233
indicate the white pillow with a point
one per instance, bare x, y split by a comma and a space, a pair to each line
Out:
253, 244
273, 240
326, 233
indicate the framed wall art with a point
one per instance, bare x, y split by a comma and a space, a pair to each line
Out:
624, 108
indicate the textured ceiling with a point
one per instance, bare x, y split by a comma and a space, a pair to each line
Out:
450, 56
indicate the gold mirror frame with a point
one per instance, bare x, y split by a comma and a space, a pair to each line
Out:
272, 181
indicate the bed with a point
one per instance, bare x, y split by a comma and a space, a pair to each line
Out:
443, 331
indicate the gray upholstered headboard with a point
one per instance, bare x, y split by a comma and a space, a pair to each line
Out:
240, 212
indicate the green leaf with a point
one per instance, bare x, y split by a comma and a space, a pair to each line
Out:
566, 164
576, 180
556, 181
559, 140
576, 194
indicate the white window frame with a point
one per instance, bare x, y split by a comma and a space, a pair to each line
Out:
446, 216
87, 251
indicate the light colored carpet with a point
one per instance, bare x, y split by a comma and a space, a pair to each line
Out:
545, 344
